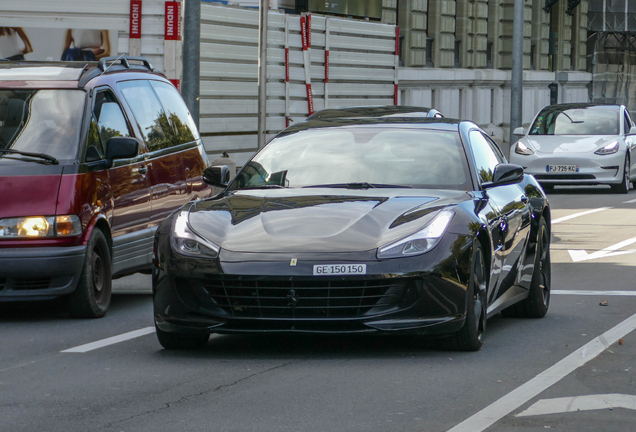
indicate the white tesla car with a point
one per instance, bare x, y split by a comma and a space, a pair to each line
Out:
579, 144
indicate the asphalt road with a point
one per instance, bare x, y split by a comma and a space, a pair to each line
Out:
571, 371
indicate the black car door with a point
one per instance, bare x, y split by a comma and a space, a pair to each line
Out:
511, 228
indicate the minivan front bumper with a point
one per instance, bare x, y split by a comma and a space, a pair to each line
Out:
39, 273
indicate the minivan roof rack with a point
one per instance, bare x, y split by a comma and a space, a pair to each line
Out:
124, 60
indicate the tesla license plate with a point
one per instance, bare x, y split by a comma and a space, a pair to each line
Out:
562, 168
340, 269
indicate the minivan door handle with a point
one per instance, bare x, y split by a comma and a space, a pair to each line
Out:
143, 170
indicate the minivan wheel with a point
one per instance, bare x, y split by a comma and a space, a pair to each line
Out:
91, 298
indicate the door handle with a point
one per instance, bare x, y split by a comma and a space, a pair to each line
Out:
143, 170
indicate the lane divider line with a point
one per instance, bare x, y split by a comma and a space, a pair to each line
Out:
594, 293
575, 215
521, 395
629, 202
110, 341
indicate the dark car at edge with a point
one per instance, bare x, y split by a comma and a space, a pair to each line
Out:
393, 225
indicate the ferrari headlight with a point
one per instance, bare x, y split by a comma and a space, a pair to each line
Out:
610, 148
186, 242
522, 149
420, 242
40, 226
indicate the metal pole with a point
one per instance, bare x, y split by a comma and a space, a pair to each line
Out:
191, 56
262, 72
516, 90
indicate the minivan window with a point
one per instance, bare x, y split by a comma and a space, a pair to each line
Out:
148, 112
41, 121
182, 123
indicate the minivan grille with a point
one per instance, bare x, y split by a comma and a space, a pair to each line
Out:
277, 298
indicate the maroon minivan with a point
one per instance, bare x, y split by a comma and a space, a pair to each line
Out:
93, 156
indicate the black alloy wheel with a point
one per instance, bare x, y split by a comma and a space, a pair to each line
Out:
623, 188
538, 301
471, 336
91, 298
176, 341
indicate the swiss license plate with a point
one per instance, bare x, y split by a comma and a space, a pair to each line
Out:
562, 168
340, 269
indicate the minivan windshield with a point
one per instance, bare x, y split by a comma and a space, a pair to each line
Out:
359, 158
41, 121
568, 120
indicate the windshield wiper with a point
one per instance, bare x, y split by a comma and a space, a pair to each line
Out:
51, 159
358, 185
570, 118
263, 186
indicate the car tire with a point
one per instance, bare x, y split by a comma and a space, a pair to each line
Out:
471, 336
538, 301
623, 188
91, 298
176, 341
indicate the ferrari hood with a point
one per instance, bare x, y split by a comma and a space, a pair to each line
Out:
568, 143
317, 220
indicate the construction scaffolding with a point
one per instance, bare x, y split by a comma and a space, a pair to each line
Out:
611, 52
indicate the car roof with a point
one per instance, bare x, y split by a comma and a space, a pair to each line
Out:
581, 105
442, 124
374, 112
70, 74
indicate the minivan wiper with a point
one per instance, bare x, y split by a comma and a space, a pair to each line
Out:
358, 185
49, 158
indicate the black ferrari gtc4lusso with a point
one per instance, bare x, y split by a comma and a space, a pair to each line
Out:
388, 224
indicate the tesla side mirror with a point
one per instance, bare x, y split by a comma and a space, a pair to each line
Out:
520, 131
218, 175
632, 130
121, 148
505, 174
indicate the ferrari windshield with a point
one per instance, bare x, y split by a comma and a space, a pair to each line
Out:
563, 120
359, 157
41, 121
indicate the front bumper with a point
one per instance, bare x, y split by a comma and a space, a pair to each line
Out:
39, 273
593, 169
242, 293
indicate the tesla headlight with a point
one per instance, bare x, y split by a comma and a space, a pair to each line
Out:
610, 148
186, 242
40, 226
522, 149
420, 242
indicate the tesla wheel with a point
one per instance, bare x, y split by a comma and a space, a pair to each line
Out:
91, 298
538, 301
623, 188
471, 336
175, 341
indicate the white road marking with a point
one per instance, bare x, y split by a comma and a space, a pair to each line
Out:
580, 403
521, 395
630, 201
581, 255
110, 341
594, 293
575, 215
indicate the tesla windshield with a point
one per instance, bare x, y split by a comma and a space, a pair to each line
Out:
559, 120
41, 121
359, 157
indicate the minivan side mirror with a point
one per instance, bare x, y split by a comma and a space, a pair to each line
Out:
505, 174
121, 148
632, 130
520, 131
217, 175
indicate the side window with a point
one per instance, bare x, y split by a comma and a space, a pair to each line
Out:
183, 126
148, 112
107, 121
485, 157
495, 148
628, 122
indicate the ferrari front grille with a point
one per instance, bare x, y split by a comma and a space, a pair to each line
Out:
282, 298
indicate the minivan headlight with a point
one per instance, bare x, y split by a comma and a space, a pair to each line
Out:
420, 242
186, 242
40, 226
